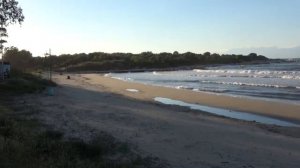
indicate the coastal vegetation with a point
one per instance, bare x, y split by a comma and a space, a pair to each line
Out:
27, 143
99, 61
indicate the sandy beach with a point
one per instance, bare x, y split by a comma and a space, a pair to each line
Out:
147, 92
87, 104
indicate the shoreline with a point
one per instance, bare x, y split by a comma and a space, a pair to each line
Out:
273, 100
268, 108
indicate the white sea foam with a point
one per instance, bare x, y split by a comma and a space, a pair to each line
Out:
248, 84
107, 75
119, 78
184, 87
132, 90
179, 87
250, 73
156, 73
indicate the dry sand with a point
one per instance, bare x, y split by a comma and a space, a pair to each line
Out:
88, 104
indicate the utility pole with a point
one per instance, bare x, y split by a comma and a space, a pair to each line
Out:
49, 64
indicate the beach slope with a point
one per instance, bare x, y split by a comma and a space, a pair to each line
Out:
88, 104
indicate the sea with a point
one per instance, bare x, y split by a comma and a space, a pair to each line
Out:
275, 81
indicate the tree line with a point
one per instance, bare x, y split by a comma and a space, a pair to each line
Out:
100, 61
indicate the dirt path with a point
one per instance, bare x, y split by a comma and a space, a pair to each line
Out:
178, 136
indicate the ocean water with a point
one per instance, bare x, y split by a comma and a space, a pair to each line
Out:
280, 81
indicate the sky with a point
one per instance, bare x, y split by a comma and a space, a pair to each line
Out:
217, 26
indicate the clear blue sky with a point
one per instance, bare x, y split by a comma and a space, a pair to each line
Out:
75, 26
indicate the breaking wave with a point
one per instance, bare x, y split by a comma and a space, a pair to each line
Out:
250, 84
275, 81
249, 73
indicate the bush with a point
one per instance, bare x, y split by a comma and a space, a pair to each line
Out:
24, 83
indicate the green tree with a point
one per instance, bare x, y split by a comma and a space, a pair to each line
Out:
175, 53
10, 12
252, 55
20, 60
206, 54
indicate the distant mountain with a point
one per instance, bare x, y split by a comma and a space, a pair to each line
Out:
270, 52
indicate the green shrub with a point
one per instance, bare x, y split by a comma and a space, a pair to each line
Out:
24, 83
